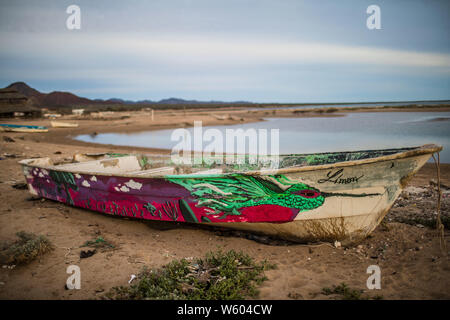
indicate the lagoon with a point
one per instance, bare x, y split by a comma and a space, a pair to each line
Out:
354, 131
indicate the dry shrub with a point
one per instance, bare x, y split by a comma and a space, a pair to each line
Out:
24, 250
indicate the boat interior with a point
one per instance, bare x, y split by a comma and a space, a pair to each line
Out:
163, 165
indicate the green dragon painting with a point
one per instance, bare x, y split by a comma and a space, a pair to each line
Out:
226, 195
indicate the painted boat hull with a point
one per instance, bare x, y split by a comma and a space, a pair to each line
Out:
347, 199
344, 218
21, 128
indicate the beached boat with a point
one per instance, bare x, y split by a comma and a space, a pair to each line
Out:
22, 128
326, 196
59, 124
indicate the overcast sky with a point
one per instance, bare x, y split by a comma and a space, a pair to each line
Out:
253, 50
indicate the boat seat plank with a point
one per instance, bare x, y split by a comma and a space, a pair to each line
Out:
154, 171
210, 171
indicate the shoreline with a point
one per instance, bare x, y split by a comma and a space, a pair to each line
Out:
140, 121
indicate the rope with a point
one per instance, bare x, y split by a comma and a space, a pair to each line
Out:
439, 225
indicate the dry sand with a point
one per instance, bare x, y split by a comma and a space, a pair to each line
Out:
411, 261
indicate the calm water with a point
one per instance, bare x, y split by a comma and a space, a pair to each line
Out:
360, 105
355, 131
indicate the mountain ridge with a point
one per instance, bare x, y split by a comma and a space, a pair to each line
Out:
64, 98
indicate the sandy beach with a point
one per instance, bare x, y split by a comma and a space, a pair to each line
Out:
407, 249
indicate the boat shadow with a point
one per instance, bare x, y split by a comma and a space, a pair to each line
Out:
173, 225
218, 231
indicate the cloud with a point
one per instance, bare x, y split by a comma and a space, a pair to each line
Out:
184, 50
140, 66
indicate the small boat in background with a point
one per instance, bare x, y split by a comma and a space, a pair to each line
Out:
59, 124
22, 128
308, 197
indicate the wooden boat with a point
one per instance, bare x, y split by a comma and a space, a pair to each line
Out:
59, 124
326, 196
22, 128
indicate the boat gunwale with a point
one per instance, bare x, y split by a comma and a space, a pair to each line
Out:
415, 151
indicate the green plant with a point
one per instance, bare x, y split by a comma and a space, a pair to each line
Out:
218, 276
99, 243
343, 290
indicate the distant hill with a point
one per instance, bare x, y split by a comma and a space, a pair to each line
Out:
117, 100
58, 98
177, 101
52, 99
64, 99
24, 89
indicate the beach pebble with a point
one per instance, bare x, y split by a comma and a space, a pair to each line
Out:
337, 244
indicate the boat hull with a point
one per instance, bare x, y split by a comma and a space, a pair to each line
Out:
21, 128
344, 218
58, 124
347, 200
